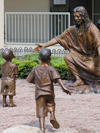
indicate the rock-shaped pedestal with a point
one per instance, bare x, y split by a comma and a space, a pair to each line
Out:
22, 129
83, 89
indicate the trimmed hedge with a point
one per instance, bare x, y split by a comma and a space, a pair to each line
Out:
27, 62
62, 69
24, 68
0, 69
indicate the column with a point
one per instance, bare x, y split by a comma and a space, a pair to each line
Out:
1, 23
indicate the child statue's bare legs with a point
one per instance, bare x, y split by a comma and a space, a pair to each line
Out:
53, 120
42, 124
11, 101
4, 101
51, 109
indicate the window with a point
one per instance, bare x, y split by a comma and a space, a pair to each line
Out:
59, 2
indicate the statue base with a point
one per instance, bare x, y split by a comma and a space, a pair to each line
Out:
83, 89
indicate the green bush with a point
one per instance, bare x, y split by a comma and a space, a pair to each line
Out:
62, 69
17, 62
59, 64
55, 60
1, 59
33, 57
27, 62
0, 69
25, 68
1, 62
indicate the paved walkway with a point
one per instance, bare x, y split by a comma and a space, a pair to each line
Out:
78, 113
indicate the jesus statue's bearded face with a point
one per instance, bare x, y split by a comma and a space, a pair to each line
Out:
77, 18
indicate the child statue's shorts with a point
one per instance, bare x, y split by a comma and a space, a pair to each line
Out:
44, 104
8, 87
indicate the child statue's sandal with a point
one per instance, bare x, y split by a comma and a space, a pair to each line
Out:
12, 105
5, 105
54, 122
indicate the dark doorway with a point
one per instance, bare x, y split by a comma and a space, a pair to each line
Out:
86, 3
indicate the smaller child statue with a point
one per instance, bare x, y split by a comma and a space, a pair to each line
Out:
8, 70
43, 77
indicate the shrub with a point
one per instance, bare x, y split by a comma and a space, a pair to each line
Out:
17, 62
25, 68
27, 62
33, 57
1, 59
1, 62
59, 64
0, 69
62, 69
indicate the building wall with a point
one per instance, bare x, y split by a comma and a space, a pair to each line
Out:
27, 5
96, 16
1, 23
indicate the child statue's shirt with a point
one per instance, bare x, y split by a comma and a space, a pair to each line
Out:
43, 78
9, 70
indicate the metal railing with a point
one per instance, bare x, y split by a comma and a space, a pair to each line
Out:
34, 27
23, 51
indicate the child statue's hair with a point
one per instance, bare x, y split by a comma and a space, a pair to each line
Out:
44, 54
7, 54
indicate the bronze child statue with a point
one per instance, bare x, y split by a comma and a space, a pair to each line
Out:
43, 77
8, 70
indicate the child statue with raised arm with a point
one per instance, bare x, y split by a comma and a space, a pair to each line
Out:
43, 77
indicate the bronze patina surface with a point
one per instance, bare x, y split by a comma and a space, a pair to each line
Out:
83, 42
43, 76
8, 70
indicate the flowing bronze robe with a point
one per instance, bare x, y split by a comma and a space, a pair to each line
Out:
82, 58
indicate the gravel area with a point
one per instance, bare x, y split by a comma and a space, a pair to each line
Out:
78, 113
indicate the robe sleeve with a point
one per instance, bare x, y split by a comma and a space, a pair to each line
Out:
63, 40
95, 35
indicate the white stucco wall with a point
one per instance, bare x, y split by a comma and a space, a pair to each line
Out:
27, 5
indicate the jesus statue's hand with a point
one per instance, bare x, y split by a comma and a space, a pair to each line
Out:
38, 48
